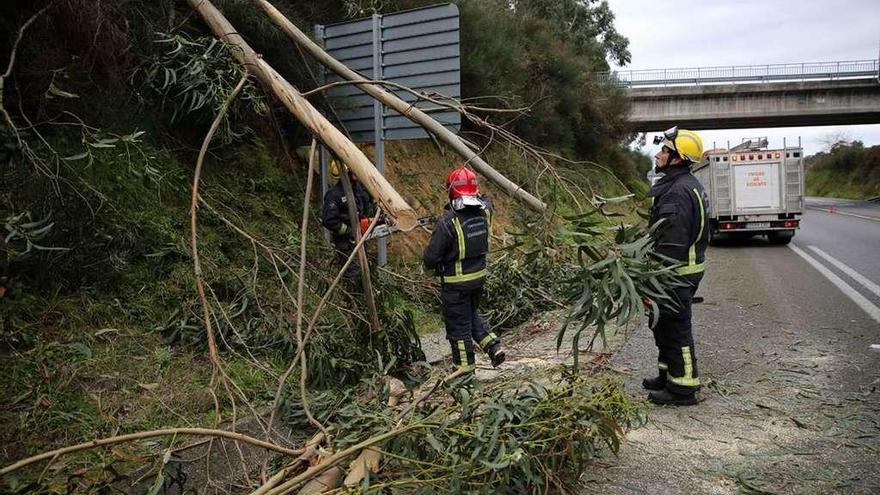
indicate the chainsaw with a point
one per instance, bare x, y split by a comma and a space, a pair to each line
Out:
384, 229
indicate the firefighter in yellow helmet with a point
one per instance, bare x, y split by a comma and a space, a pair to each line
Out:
334, 217
680, 205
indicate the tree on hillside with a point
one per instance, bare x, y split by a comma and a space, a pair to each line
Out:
846, 169
543, 55
587, 24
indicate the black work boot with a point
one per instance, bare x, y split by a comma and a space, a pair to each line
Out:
666, 398
496, 355
656, 383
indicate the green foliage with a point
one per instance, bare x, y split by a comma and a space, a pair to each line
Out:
524, 277
516, 290
509, 438
540, 54
615, 280
94, 200
343, 352
100, 317
22, 232
847, 170
192, 78
535, 56
630, 166
587, 24
61, 390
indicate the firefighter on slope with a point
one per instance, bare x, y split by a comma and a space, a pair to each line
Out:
457, 253
334, 217
680, 202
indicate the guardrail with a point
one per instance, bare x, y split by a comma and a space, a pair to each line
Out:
815, 71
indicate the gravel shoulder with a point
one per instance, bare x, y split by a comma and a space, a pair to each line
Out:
792, 402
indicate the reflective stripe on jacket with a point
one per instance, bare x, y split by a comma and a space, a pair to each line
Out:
680, 201
459, 245
334, 212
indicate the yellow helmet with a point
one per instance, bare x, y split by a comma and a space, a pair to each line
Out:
686, 143
334, 169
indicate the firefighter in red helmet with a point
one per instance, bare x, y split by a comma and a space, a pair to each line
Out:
457, 254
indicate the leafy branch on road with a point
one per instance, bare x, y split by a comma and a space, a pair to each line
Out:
617, 278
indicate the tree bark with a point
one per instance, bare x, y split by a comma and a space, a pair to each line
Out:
355, 225
407, 110
391, 202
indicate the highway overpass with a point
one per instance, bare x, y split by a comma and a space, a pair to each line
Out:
789, 95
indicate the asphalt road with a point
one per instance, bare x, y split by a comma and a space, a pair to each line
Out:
848, 231
791, 386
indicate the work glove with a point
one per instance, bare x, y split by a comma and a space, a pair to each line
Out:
364, 224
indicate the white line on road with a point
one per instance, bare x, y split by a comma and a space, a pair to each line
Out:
860, 300
858, 277
838, 212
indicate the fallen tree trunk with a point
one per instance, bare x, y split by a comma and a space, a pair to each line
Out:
392, 203
404, 108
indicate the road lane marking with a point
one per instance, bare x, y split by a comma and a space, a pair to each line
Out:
838, 212
860, 300
858, 277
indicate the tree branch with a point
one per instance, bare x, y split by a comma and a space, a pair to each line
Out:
11, 64
194, 205
335, 459
238, 437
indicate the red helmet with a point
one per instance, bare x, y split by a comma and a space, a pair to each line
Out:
462, 182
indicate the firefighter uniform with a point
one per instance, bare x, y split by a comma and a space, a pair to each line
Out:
457, 253
334, 217
680, 201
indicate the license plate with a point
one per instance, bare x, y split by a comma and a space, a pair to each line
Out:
758, 225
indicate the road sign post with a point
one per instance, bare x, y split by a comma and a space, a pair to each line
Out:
379, 122
416, 48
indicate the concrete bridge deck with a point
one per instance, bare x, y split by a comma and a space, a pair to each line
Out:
732, 97
776, 104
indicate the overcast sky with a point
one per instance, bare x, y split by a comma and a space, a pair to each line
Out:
749, 32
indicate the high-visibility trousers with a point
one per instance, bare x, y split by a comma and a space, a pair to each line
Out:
674, 337
465, 327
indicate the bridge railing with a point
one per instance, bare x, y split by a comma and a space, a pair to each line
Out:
731, 74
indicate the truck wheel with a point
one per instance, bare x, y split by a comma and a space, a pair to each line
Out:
780, 237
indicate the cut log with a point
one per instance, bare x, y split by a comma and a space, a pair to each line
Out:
324, 482
368, 460
406, 109
390, 201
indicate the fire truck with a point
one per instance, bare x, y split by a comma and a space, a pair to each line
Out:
753, 190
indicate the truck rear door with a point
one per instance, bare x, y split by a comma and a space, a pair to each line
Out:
756, 188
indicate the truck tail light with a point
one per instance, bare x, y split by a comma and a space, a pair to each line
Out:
726, 226
791, 224
733, 158
777, 155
